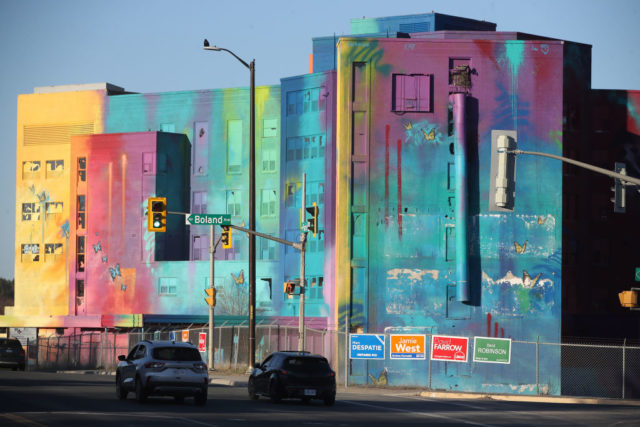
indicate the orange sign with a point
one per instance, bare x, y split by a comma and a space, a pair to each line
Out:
408, 347
185, 335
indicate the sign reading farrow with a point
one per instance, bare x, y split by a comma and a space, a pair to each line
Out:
450, 349
492, 350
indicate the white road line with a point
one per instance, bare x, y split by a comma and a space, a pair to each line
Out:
426, 414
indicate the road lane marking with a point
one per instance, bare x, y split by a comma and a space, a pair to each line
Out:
426, 414
21, 420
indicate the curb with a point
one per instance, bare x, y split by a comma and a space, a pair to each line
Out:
537, 399
228, 382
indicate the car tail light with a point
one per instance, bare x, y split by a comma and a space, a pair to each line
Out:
200, 366
332, 374
154, 365
283, 372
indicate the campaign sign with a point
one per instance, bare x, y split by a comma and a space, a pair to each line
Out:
202, 342
366, 346
185, 335
492, 350
450, 349
408, 347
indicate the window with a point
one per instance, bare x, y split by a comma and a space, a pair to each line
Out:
82, 214
80, 253
200, 247
314, 287
168, 286
53, 208
268, 202
305, 147
234, 203
199, 202
234, 146
269, 128
30, 252
412, 92
52, 252
167, 127
268, 158
55, 168
201, 149
148, 163
31, 169
31, 211
80, 288
267, 249
305, 101
291, 196
82, 169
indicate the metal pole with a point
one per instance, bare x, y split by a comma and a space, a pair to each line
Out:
303, 236
624, 355
346, 349
538, 365
211, 307
252, 218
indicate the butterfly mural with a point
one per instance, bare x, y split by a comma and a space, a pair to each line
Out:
97, 247
104, 258
542, 220
520, 249
239, 280
431, 135
114, 272
529, 282
407, 126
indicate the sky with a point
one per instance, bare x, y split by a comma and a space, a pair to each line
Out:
156, 46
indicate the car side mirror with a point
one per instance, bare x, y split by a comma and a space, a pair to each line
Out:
256, 365
122, 358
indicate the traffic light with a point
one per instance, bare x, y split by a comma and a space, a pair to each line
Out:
211, 298
313, 222
503, 170
157, 214
629, 299
289, 287
619, 192
226, 237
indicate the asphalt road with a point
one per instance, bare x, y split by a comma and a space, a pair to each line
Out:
37, 398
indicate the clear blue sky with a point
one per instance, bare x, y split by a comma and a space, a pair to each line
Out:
156, 46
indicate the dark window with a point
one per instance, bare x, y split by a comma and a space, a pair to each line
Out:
307, 364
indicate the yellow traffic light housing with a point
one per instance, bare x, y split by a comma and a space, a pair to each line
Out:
313, 221
211, 296
226, 237
629, 299
157, 214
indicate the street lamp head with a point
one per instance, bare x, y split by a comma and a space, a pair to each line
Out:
207, 47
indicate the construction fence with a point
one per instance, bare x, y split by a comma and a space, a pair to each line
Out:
581, 367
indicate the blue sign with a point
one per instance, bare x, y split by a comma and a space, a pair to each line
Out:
366, 346
172, 336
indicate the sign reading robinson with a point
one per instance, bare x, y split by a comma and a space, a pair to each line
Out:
492, 350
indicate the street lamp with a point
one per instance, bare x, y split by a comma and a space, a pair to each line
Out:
252, 198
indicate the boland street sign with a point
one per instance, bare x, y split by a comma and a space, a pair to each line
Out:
208, 219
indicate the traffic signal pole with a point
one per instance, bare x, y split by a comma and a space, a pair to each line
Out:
303, 238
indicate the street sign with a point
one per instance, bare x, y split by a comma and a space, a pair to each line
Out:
366, 346
492, 350
202, 342
208, 219
408, 347
637, 274
450, 349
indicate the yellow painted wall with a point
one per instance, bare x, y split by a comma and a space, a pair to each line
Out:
44, 126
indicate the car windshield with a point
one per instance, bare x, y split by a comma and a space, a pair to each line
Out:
183, 354
307, 364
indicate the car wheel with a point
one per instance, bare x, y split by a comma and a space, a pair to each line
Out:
121, 393
252, 389
274, 393
141, 395
330, 399
200, 399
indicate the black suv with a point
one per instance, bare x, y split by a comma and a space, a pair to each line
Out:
288, 374
11, 354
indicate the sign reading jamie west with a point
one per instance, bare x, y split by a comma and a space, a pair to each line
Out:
366, 346
492, 350
408, 347
450, 349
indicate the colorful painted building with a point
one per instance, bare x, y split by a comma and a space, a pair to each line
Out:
393, 131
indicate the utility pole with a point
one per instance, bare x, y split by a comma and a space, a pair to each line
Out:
303, 238
212, 252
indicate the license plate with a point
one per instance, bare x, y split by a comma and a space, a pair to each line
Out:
309, 392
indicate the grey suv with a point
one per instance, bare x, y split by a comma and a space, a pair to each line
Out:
163, 368
11, 354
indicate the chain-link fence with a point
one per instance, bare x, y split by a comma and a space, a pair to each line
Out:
587, 368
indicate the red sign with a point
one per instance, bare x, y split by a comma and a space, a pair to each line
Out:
450, 349
202, 342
